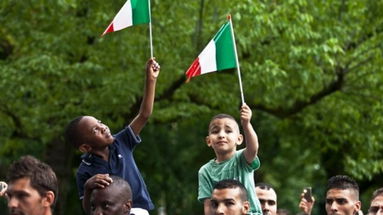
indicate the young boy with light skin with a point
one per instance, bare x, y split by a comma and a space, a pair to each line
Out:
224, 137
113, 154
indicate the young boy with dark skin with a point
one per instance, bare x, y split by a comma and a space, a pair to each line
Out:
224, 137
115, 199
113, 154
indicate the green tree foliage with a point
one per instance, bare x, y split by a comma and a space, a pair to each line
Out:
311, 70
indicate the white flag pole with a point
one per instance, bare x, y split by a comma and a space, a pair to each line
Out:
150, 31
236, 60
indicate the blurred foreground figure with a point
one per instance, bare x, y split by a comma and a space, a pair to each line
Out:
376, 207
32, 187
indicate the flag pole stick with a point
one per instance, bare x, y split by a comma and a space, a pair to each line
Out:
236, 60
150, 31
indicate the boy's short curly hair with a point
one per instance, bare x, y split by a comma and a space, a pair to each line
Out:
72, 133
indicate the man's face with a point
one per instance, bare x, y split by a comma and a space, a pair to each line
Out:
268, 200
376, 207
109, 201
24, 199
228, 202
342, 202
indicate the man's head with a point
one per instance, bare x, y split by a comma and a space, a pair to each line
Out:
342, 197
115, 199
224, 135
32, 189
376, 206
88, 134
229, 197
267, 197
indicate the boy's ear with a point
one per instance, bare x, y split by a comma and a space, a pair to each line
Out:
240, 139
208, 142
85, 148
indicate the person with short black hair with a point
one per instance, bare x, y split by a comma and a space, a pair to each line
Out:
376, 206
267, 197
32, 187
114, 199
342, 196
229, 197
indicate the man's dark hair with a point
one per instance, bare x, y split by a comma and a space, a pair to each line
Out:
232, 184
41, 176
264, 186
343, 182
72, 133
376, 193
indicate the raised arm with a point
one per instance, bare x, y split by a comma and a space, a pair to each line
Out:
251, 138
146, 109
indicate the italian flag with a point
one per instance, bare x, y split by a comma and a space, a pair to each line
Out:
219, 54
133, 12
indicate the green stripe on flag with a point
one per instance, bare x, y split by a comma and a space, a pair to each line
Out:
140, 9
224, 45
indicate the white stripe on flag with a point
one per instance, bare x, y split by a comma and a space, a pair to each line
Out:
207, 58
124, 17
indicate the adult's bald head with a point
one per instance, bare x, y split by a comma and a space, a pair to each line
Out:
115, 199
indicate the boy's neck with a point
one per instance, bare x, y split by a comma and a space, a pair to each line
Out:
103, 153
222, 157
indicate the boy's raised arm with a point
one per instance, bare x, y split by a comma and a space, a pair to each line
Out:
146, 109
251, 138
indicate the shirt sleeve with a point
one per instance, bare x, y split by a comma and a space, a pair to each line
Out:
204, 185
249, 166
128, 137
80, 180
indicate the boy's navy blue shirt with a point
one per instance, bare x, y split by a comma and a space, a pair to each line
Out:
121, 163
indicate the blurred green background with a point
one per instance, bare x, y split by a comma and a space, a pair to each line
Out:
312, 73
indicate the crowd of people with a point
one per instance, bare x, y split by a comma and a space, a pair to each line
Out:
109, 181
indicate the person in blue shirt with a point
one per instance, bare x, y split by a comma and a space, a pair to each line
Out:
106, 154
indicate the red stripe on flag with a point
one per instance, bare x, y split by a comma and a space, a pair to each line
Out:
109, 29
194, 69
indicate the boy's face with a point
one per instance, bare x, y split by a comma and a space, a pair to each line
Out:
228, 202
223, 135
342, 202
109, 201
95, 133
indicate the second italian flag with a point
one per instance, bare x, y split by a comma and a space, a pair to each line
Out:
133, 12
218, 55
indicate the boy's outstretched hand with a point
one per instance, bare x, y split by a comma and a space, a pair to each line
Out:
245, 114
152, 69
98, 181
